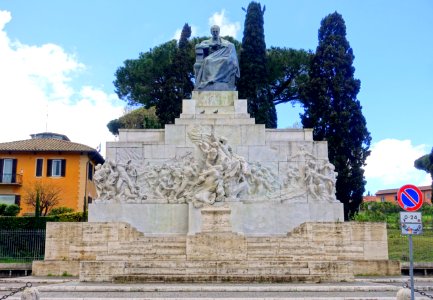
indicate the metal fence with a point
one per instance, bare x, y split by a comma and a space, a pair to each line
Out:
22, 245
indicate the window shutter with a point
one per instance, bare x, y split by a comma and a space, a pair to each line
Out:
18, 200
90, 171
39, 165
1, 170
14, 170
63, 170
49, 167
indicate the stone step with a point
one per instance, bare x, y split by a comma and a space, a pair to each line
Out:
138, 257
259, 239
223, 271
219, 278
163, 239
216, 264
150, 244
281, 249
295, 258
161, 252
215, 121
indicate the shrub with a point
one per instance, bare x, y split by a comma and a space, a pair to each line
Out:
39, 222
60, 210
72, 217
12, 210
24, 222
2, 209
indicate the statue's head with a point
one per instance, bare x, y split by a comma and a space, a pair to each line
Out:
215, 31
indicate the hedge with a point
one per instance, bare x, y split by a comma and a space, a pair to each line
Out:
39, 222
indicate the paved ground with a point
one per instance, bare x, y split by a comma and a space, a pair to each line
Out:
69, 288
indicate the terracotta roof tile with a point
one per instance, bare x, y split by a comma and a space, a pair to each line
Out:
48, 145
394, 191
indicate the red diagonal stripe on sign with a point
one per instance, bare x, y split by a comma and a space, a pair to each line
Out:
410, 198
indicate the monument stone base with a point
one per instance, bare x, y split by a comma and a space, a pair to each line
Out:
216, 197
313, 252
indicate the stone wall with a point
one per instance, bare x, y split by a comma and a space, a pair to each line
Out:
312, 252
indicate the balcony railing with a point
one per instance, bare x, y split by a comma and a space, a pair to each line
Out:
14, 179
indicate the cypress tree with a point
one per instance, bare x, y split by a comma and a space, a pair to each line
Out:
176, 84
38, 205
333, 111
253, 82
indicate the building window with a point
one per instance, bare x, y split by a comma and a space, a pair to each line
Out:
89, 171
382, 198
39, 166
10, 199
8, 170
56, 167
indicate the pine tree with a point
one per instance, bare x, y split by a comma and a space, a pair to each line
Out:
253, 82
425, 163
334, 113
161, 77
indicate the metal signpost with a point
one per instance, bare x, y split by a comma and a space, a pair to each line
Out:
410, 199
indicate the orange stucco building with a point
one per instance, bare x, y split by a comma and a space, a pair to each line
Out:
50, 160
390, 195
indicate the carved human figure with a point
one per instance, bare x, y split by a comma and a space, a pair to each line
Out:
216, 64
311, 179
210, 186
302, 155
188, 178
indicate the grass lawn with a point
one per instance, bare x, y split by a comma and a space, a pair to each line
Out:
398, 246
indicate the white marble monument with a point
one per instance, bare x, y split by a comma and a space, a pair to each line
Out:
272, 180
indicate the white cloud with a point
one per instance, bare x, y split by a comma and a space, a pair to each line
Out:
37, 94
219, 18
391, 165
226, 27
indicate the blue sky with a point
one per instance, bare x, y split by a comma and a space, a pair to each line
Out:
58, 58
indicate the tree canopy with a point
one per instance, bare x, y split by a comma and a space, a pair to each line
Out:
425, 163
288, 73
253, 83
140, 118
161, 77
333, 111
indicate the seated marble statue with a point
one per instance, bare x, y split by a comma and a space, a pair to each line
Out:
216, 64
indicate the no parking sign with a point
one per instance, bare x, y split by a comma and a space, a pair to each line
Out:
409, 197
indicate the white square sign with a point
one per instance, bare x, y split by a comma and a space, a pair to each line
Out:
411, 222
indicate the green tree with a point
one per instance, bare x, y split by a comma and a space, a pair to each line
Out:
334, 113
38, 203
140, 118
253, 83
288, 73
160, 78
425, 163
177, 83
137, 80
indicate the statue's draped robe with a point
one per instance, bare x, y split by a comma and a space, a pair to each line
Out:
220, 66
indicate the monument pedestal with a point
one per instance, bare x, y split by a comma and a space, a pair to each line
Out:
215, 197
216, 241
